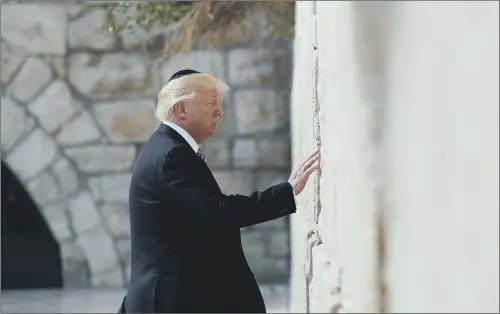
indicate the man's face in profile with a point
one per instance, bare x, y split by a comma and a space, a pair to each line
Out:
203, 113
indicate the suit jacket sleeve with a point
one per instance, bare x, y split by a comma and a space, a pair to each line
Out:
196, 207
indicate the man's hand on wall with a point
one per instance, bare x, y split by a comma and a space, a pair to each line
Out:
301, 173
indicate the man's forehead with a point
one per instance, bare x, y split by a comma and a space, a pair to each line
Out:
211, 94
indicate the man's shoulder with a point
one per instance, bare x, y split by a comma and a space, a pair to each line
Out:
178, 153
162, 146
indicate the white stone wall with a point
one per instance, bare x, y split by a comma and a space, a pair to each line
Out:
77, 105
402, 99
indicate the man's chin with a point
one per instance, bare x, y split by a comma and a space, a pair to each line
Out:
214, 130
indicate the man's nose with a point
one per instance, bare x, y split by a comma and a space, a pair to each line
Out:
219, 111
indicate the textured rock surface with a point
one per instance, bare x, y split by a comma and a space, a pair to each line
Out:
44, 188
262, 66
32, 154
15, 122
100, 77
130, 121
98, 247
83, 212
94, 159
35, 28
81, 130
32, 77
54, 106
85, 32
385, 90
77, 105
259, 111
10, 62
110, 188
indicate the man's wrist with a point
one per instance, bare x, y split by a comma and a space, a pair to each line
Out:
293, 189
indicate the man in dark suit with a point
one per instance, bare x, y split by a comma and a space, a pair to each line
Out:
186, 253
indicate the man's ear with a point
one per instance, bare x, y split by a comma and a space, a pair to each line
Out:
180, 110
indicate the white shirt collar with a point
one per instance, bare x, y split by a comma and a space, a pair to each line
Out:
184, 134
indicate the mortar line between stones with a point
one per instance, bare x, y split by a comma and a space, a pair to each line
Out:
15, 73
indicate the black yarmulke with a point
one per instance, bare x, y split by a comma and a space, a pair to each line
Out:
182, 73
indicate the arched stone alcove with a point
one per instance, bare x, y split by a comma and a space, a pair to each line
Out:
30, 253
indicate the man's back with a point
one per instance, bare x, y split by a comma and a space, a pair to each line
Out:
179, 265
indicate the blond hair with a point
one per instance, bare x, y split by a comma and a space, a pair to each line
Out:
184, 88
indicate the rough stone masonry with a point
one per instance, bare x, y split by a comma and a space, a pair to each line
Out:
78, 104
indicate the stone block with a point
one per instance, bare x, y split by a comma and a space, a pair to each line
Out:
10, 62
32, 155
245, 153
85, 32
72, 9
267, 269
273, 153
99, 250
134, 37
278, 244
34, 75
206, 61
94, 159
116, 218
76, 273
267, 178
110, 75
138, 38
43, 189
83, 212
110, 188
70, 250
227, 123
269, 65
123, 247
127, 121
217, 153
36, 28
15, 122
81, 130
234, 182
260, 153
58, 221
66, 176
253, 28
55, 106
253, 244
259, 110
108, 279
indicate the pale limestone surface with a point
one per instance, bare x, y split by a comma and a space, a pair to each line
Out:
35, 28
404, 214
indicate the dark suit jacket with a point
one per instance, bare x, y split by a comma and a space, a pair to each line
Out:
186, 253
